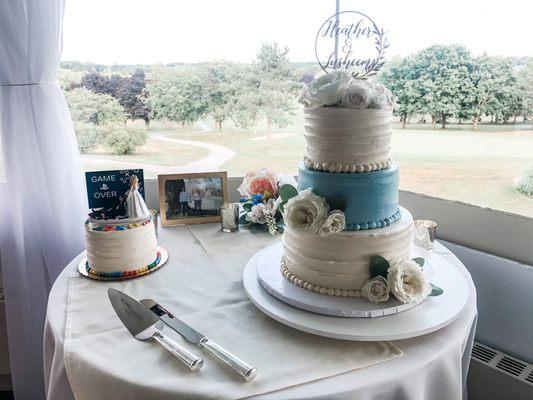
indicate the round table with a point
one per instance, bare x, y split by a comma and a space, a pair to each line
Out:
432, 366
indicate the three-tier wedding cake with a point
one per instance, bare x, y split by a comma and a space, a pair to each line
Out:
347, 208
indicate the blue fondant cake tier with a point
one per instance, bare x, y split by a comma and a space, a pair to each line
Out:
369, 200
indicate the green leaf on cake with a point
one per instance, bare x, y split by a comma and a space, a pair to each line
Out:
435, 290
378, 266
282, 206
419, 260
247, 206
287, 191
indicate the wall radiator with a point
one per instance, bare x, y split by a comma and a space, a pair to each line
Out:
496, 375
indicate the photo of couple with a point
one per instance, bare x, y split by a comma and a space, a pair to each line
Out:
187, 198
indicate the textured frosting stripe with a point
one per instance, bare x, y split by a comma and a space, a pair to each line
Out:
110, 251
375, 224
341, 261
124, 273
338, 167
315, 288
337, 135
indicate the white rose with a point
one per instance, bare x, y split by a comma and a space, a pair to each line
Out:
382, 97
335, 222
323, 91
305, 212
355, 94
376, 289
407, 281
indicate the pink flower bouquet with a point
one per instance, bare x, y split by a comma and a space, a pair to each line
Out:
264, 193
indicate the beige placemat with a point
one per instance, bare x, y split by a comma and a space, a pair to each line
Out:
103, 361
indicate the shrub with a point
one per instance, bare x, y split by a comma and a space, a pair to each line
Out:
525, 183
125, 142
88, 136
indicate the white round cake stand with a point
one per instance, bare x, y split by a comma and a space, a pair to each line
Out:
433, 314
271, 279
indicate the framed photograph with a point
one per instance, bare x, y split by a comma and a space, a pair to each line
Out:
192, 198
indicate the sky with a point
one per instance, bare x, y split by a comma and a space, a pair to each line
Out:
164, 31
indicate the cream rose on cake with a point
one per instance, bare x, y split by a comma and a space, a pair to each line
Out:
335, 222
407, 282
323, 91
356, 94
376, 289
305, 212
382, 97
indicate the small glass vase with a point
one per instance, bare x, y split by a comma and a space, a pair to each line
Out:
425, 231
229, 217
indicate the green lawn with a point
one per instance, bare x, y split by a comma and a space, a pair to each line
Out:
475, 167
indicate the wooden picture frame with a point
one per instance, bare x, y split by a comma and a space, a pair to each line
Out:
192, 198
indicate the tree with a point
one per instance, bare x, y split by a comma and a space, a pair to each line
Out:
275, 86
132, 95
525, 81
177, 95
99, 109
401, 78
244, 110
221, 84
68, 79
441, 72
129, 91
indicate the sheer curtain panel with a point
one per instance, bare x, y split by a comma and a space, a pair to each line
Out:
42, 202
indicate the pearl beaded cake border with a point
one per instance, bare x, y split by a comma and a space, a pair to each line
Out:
315, 288
342, 168
375, 224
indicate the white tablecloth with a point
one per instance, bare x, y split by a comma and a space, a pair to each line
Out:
433, 366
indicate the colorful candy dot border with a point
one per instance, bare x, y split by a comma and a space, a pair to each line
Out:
85, 270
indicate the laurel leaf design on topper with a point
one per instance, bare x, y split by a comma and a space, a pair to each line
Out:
351, 41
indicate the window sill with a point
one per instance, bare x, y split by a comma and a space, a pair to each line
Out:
491, 231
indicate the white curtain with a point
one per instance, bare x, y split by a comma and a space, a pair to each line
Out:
42, 202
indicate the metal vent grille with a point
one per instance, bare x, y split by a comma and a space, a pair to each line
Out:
483, 353
510, 366
529, 378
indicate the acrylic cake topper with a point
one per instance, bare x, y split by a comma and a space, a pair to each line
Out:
107, 189
351, 41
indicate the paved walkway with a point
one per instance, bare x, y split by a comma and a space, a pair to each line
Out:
217, 156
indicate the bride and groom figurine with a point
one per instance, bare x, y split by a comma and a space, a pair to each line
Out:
135, 205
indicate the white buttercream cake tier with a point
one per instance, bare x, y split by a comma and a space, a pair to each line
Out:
347, 140
128, 249
342, 261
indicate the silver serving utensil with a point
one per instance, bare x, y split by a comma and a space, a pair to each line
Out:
242, 368
144, 325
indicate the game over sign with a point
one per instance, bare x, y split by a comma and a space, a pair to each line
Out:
106, 188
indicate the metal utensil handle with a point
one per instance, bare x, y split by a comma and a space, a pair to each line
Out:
243, 369
194, 363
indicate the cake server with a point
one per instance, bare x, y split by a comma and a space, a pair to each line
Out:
144, 325
242, 368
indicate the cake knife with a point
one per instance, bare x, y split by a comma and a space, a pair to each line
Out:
144, 325
242, 368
